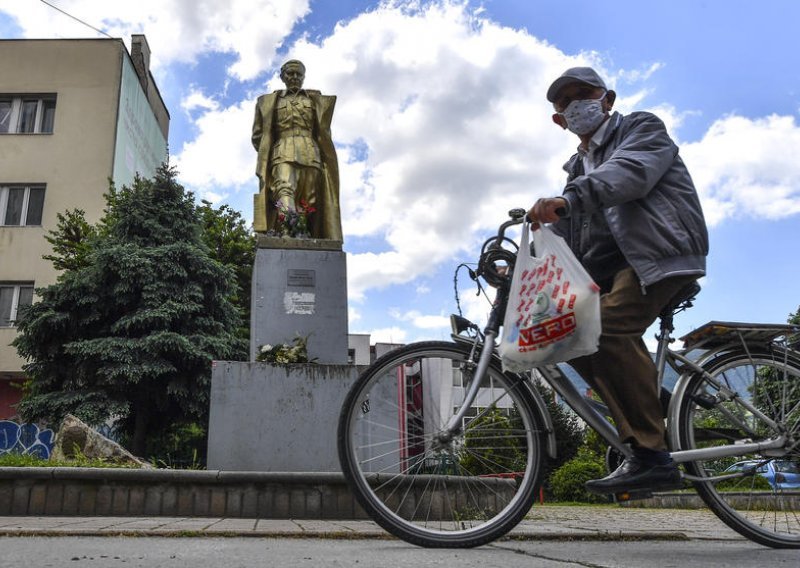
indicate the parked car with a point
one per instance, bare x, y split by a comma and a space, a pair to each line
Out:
781, 474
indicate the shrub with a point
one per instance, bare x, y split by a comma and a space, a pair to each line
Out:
567, 481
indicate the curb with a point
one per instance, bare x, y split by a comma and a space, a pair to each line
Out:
119, 492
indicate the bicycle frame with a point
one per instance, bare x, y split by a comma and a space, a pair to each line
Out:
597, 421
677, 359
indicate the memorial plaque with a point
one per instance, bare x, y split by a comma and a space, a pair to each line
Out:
301, 278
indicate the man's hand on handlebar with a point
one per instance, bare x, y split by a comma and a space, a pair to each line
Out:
547, 210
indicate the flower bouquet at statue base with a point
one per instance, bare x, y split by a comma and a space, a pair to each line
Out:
553, 312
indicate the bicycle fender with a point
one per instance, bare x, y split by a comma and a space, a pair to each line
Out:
544, 415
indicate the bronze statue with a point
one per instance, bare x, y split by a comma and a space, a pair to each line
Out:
297, 168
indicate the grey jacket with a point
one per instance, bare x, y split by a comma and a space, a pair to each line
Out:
644, 190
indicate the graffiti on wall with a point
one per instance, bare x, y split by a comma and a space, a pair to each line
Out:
25, 439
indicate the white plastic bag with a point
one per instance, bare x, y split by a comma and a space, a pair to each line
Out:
553, 312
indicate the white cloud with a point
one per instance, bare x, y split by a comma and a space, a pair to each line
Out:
639, 75
198, 100
746, 167
179, 30
443, 106
420, 320
388, 335
213, 197
221, 154
441, 123
474, 307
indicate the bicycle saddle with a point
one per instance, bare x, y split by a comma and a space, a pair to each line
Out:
682, 300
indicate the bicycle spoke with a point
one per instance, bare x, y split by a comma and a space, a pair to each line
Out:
428, 484
762, 402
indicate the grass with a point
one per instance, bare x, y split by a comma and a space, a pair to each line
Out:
21, 460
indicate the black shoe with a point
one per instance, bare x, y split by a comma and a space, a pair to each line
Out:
634, 474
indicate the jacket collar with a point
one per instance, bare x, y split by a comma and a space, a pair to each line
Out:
613, 123
285, 93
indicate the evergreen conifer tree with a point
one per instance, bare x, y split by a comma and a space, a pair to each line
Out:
131, 331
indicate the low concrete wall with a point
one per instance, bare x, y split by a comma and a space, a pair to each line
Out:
786, 501
186, 493
123, 492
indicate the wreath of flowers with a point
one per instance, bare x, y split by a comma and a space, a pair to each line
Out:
293, 222
295, 351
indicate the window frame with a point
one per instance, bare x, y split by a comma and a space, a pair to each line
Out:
17, 103
5, 191
15, 295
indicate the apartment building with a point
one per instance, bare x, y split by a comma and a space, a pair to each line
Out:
74, 114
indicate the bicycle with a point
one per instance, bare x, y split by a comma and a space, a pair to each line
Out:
443, 449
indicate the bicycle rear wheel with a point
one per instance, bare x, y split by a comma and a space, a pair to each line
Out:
762, 508
426, 488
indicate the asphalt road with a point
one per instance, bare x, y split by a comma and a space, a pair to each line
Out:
240, 552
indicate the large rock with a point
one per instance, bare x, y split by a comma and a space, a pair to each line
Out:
75, 438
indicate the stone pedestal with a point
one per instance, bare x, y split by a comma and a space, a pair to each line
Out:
276, 418
300, 288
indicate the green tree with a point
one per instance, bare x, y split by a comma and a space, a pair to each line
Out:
224, 231
776, 392
71, 240
568, 429
232, 243
131, 330
492, 445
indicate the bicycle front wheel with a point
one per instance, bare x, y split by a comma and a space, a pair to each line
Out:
426, 486
762, 504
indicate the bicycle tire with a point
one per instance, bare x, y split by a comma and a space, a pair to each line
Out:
765, 512
453, 494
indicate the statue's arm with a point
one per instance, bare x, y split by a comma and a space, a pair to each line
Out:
258, 126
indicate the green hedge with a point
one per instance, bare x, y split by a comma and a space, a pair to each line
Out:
567, 482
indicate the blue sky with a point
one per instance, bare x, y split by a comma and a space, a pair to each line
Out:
442, 125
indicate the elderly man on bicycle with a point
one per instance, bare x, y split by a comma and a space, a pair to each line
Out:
632, 216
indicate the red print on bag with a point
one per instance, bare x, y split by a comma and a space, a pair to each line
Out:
546, 332
560, 307
572, 301
556, 289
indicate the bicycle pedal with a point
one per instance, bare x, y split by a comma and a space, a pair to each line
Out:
626, 496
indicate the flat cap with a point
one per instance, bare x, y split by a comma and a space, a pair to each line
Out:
575, 74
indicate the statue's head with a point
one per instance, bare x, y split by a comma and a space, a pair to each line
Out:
293, 72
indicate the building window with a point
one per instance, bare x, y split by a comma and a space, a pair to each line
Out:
27, 114
12, 298
21, 205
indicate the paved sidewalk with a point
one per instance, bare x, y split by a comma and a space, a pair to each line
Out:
543, 522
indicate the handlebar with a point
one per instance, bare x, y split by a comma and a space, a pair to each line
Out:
517, 217
493, 252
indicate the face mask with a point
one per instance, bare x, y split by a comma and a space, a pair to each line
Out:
584, 116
